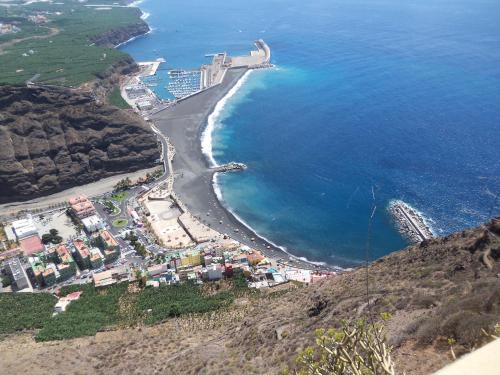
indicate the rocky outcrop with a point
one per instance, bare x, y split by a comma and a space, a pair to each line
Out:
120, 35
53, 139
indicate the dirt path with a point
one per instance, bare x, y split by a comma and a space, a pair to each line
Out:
53, 31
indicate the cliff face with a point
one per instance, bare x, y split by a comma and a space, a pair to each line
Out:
54, 139
116, 36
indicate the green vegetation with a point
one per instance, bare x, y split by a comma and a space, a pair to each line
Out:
120, 223
115, 98
116, 306
111, 208
94, 310
171, 301
354, 349
51, 237
119, 197
123, 184
25, 311
61, 50
139, 247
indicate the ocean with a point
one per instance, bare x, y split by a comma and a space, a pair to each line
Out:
369, 101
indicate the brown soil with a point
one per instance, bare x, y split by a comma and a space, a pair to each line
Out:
434, 291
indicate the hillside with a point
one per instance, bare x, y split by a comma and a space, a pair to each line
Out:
71, 43
53, 139
443, 288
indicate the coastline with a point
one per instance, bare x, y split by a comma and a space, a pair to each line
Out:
185, 124
201, 159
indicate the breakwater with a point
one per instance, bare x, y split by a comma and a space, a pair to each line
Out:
230, 167
409, 221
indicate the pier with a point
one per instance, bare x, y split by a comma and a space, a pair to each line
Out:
410, 222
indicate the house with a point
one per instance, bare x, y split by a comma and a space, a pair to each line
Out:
65, 263
111, 276
191, 258
50, 274
213, 272
63, 302
109, 246
96, 258
158, 269
92, 223
81, 207
82, 254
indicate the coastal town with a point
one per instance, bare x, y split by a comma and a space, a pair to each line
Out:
142, 228
92, 241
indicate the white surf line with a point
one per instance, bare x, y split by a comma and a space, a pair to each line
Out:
206, 138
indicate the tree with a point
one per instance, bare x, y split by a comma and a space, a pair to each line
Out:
357, 348
56, 240
46, 238
53, 232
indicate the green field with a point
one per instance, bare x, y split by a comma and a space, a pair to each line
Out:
66, 56
111, 307
21, 311
115, 306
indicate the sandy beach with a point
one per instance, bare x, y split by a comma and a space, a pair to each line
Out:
184, 124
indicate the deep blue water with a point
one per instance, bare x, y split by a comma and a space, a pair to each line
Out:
398, 97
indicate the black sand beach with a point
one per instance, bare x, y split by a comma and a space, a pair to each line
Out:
184, 124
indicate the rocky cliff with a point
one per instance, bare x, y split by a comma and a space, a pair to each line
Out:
53, 139
120, 35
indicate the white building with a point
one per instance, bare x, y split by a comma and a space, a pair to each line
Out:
24, 228
92, 223
214, 272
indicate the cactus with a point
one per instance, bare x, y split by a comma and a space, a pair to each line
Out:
357, 348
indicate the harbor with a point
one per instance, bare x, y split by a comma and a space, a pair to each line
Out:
410, 222
139, 90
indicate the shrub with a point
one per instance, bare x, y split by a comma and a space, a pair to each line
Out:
356, 348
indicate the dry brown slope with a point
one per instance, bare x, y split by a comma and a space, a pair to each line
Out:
438, 289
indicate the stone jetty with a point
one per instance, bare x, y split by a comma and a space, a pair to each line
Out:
230, 167
409, 221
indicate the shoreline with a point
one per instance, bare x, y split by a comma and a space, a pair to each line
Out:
241, 231
184, 124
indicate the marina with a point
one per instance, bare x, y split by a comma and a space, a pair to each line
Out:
139, 90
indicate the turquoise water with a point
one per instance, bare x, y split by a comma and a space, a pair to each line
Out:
390, 99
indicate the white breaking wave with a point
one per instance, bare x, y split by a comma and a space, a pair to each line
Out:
135, 4
133, 38
145, 15
206, 137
